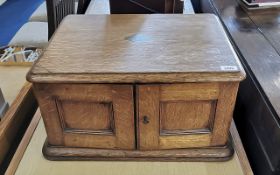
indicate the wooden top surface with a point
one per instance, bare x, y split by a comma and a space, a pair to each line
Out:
138, 48
29, 160
256, 34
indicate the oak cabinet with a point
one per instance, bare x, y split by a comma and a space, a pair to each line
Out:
137, 117
138, 87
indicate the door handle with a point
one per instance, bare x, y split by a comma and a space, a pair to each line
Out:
146, 120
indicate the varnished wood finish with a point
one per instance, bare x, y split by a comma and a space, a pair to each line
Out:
110, 49
148, 106
224, 112
130, 85
31, 162
102, 116
255, 35
238, 146
81, 115
185, 115
192, 154
23, 144
19, 113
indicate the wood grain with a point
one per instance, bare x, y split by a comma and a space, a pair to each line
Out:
23, 144
20, 111
121, 52
191, 154
238, 146
119, 48
168, 115
224, 112
255, 36
185, 115
189, 91
148, 105
88, 115
33, 162
193, 140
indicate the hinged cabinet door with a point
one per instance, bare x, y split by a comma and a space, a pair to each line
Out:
184, 115
88, 115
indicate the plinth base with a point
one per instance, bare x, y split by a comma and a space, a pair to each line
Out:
191, 154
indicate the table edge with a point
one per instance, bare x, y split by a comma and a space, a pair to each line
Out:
240, 152
20, 110
23, 144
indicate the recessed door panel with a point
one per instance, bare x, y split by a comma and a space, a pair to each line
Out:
89, 115
183, 115
186, 117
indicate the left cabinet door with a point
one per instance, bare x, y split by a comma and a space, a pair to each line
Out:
88, 115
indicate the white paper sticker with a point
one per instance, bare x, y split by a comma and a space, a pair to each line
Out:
229, 68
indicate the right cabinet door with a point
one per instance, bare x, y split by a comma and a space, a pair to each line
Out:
184, 115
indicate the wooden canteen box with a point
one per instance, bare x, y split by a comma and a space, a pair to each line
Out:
138, 87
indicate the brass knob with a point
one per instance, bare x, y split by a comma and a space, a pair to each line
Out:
146, 120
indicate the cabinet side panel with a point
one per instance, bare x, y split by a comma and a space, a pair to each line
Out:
224, 113
49, 113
